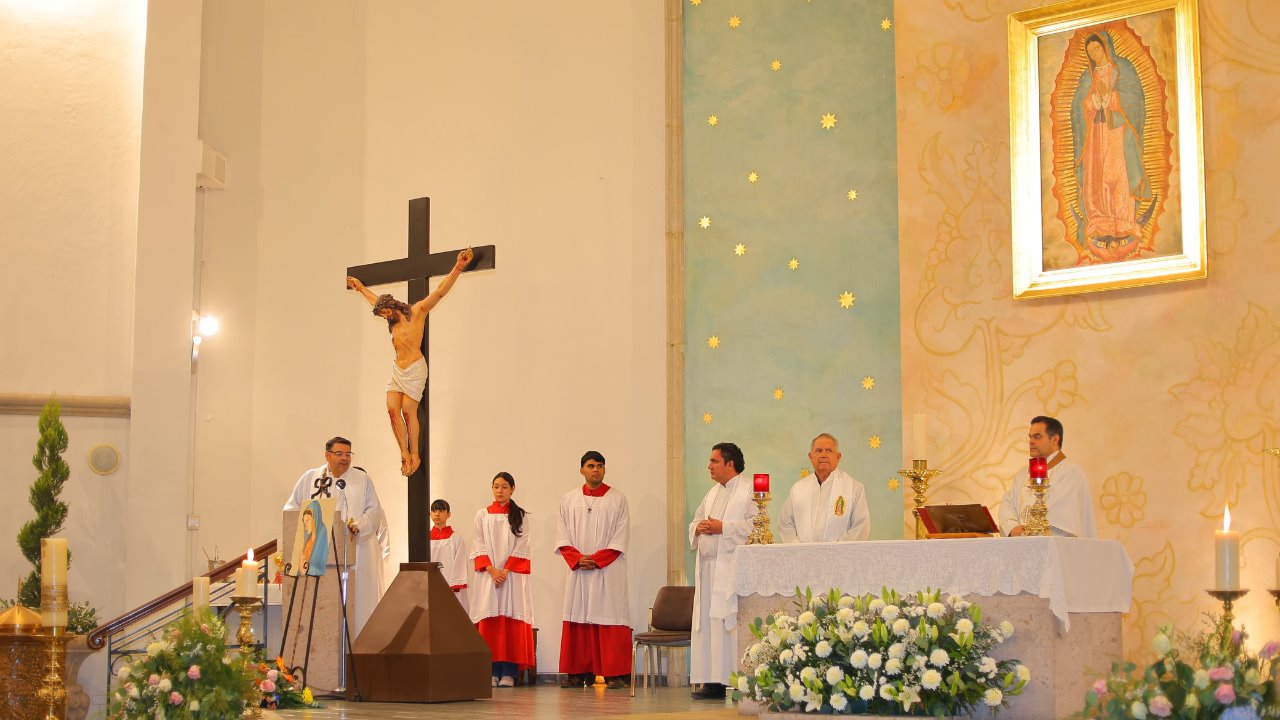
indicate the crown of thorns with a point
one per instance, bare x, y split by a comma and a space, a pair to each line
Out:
389, 302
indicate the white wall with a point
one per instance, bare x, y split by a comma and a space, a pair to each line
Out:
538, 128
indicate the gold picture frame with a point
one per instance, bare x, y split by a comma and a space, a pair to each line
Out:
1107, 163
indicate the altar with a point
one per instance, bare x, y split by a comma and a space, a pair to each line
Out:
1064, 596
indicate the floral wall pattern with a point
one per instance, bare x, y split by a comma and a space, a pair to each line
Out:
1168, 394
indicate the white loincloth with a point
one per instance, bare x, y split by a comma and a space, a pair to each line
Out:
411, 380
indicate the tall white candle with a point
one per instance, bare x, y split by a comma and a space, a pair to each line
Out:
919, 435
53, 582
1226, 555
247, 577
199, 593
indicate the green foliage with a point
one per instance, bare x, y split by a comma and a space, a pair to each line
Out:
51, 512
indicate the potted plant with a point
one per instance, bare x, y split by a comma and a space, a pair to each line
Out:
891, 654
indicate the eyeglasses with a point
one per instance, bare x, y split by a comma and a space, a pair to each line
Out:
339, 453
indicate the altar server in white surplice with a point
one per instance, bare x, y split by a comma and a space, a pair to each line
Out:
359, 508
720, 524
1069, 502
591, 536
827, 506
448, 549
502, 594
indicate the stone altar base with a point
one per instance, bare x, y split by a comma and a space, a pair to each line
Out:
1063, 664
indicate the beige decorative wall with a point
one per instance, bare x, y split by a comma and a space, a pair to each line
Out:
1168, 394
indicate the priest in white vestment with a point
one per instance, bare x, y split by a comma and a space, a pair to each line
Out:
366, 525
721, 523
827, 506
1069, 501
591, 535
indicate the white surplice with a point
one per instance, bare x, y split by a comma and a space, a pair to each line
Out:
830, 511
492, 538
589, 524
358, 501
451, 553
1069, 501
714, 651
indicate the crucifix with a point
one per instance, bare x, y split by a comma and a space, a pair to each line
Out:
417, 269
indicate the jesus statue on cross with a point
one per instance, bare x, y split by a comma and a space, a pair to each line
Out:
409, 371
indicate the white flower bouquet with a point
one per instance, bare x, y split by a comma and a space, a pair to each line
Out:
892, 654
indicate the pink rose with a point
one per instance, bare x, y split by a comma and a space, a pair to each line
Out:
1100, 686
1221, 673
193, 672
267, 686
1270, 649
1225, 694
153, 680
1160, 706
273, 674
175, 698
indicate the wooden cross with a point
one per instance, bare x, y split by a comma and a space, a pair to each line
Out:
418, 268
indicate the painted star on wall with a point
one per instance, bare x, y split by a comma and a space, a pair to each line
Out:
776, 65
868, 382
713, 342
885, 24
829, 121
735, 22
847, 300
792, 264
704, 222
778, 393
893, 484
804, 473
695, 2
706, 418
713, 120
852, 194
739, 249
874, 442
753, 177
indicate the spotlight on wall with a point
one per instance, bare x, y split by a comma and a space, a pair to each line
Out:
208, 325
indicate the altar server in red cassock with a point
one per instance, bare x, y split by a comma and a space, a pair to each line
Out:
448, 549
502, 594
591, 536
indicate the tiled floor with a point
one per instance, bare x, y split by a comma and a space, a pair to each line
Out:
541, 702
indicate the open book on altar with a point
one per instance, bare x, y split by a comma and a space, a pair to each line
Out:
950, 521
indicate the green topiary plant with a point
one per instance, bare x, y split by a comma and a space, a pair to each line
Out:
51, 512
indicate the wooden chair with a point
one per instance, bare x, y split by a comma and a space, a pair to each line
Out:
670, 626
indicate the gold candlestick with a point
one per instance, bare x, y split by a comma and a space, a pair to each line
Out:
247, 607
919, 475
1038, 514
53, 688
1227, 598
760, 533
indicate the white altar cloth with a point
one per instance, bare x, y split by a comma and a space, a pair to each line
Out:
1076, 575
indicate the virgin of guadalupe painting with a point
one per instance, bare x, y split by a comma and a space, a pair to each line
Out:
311, 543
1111, 147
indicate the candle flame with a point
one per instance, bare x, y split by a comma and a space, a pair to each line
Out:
1226, 518
249, 555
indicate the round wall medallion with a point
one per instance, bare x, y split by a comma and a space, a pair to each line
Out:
104, 459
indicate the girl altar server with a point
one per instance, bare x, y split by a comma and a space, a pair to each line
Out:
502, 595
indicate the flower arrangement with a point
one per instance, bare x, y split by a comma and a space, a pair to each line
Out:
186, 675
1211, 675
892, 654
280, 689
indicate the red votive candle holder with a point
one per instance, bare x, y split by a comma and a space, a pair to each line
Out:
1039, 468
761, 482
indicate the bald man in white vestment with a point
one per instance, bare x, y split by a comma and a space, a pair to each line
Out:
1069, 502
591, 535
359, 508
828, 505
721, 523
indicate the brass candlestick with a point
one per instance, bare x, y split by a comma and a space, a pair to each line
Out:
919, 475
1227, 598
53, 690
760, 533
1037, 523
247, 607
